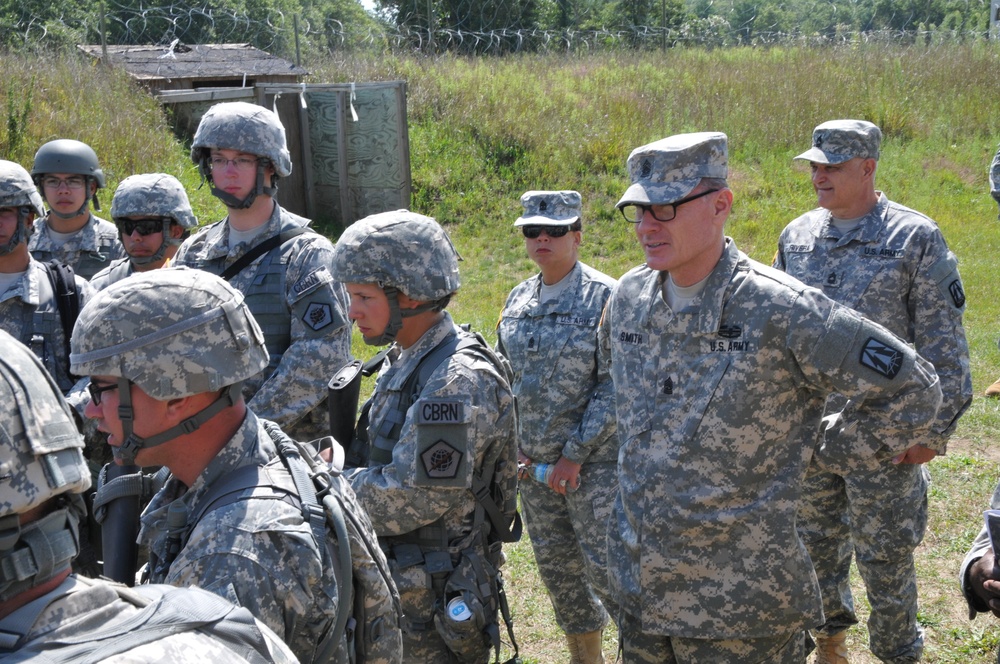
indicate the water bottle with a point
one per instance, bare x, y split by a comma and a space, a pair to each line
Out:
543, 471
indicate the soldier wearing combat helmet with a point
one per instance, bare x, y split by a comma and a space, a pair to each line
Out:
68, 175
276, 261
439, 426
154, 217
174, 346
44, 608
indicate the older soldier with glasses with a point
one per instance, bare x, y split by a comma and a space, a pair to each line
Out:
548, 331
721, 368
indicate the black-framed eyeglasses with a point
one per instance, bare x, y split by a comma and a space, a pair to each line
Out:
97, 390
218, 162
145, 225
532, 232
666, 212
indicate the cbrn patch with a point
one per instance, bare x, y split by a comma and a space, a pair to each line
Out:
441, 461
317, 316
880, 358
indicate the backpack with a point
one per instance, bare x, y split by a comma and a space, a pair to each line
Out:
369, 610
165, 611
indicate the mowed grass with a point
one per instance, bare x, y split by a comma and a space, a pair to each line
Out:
483, 131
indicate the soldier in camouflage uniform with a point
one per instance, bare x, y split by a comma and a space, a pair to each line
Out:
426, 452
28, 308
174, 345
892, 265
46, 609
240, 149
154, 217
979, 577
68, 175
548, 332
721, 368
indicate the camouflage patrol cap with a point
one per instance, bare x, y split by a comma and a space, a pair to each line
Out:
41, 451
17, 188
401, 249
669, 169
153, 194
549, 208
244, 127
837, 141
173, 332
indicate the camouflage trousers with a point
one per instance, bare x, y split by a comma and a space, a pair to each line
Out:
640, 647
880, 517
569, 538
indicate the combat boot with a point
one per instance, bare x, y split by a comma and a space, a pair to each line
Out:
993, 390
585, 648
831, 649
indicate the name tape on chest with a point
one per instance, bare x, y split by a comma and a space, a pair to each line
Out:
581, 321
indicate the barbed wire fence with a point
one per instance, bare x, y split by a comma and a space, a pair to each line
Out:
291, 36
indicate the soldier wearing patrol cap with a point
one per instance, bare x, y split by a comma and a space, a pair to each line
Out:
721, 368
68, 175
548, 332
276, 261
167, 352
436, 449
154, 217
891, 264
47, 612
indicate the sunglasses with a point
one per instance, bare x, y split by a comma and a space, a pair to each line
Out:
145, 225
97, 390
532, 232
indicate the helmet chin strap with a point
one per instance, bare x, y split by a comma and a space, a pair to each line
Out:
20, 233
396, 316
132, 444
231, 201
158, 254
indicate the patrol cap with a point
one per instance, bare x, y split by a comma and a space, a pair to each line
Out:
837, 141
669, 169
549, 208
41, 451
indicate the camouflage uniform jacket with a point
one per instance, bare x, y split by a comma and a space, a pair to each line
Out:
718, 412
312, 306
259, 554
117, 271
896, 269
404, 495
79, 607
566, 401
88, 252
980, 547
22, 309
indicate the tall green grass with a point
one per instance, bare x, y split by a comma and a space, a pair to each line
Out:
482, 131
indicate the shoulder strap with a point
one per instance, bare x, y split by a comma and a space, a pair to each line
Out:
267, 245
63, 281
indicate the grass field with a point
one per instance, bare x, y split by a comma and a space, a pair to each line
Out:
482, 131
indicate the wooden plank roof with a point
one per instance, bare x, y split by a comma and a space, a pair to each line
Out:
200, 61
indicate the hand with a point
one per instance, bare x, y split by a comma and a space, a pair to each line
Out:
523, 462
915, 455
566, 474
984, 580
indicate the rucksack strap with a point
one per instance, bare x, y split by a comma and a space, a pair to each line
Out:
63, 281
267, 245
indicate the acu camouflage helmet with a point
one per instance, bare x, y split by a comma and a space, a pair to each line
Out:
41, 458
17, 190
248, 128
402, 249
174, 332
154, 195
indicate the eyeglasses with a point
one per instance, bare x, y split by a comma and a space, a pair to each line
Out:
243, 164
532, 232
145, 225
72, 182
96, 391
634, 213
